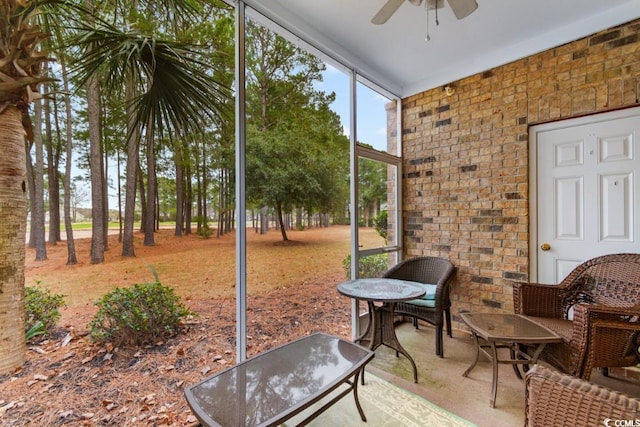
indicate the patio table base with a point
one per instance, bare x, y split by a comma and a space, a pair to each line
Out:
381, 331
492, 331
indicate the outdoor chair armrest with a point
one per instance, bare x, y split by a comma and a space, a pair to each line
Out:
604, 333
584, 313
611, 340
537, 299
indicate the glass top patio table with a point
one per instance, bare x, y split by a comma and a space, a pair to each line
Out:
381, 325
381, 289
272, 387
508, 328
505, 330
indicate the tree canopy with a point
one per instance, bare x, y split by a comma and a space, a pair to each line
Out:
146, 88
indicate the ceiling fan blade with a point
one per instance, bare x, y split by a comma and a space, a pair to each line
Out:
462, 8
386, 11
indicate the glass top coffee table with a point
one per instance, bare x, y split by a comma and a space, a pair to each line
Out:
380, 328
496, 330
270, 388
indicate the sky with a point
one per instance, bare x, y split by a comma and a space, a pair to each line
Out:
372, 118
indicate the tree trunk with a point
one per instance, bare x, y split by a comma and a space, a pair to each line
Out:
13, 217
188, 203
130, 197
299, 219
264, 220
150, 220
222, 203
229, 191
179, 190
95, 163
157, 212
143, 197
281, 220
71, 247
133, 154
53, 159
37, 201
119, 192
254, 221
199, 212
205, 214
105, 196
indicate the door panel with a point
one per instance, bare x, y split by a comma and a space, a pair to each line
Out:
586, 201
570, 208
617, 208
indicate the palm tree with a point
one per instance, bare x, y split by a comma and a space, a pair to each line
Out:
175, 90
20, 73
176, 93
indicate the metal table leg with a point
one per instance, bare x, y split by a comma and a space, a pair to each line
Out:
494, 385
381, 331
490, 349
475, 359
388, 335
370, 334
493, 355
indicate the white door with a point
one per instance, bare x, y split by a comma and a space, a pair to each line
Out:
586, 192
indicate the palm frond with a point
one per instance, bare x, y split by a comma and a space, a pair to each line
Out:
176, 92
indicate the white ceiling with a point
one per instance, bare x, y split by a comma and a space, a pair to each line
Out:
397, 57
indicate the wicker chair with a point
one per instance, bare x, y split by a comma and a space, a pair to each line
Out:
435, 307
604, 296
555, 399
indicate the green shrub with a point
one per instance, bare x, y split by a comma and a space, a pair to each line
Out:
380, 223
138, 315
41, 306
370, 266
206, 231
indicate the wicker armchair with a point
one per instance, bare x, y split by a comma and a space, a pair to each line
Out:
604, 296
555, 399
435, 307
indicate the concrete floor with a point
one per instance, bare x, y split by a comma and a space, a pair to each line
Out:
440, 380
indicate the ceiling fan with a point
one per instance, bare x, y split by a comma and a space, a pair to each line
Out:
461, 8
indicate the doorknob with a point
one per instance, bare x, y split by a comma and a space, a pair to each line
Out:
545, 246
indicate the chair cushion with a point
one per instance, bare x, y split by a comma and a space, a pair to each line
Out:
428, 300
431, 303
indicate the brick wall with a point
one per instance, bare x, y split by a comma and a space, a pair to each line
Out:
466, 165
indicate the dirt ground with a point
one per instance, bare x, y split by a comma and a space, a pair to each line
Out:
69, 380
